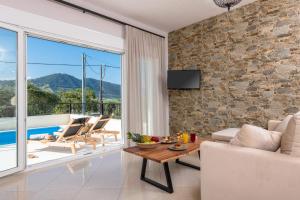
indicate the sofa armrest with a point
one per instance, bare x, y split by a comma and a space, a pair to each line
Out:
235, 173
272, 124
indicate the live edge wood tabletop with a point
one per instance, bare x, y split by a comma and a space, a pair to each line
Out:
162, 154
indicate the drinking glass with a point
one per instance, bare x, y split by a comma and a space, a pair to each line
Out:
193, 137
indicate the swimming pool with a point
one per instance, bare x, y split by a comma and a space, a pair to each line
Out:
9, 137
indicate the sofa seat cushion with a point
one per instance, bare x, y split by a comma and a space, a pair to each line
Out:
257, 137
225, 135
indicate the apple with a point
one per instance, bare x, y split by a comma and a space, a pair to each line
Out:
155, 139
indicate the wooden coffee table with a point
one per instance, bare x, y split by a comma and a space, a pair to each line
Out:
163, 155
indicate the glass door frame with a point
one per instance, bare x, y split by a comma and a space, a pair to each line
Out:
21, 100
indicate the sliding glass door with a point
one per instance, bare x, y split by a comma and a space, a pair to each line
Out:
11, 128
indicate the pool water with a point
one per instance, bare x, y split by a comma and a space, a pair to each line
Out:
9, 137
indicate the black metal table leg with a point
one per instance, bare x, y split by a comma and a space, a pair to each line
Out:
168, 177
188, 164
168, 188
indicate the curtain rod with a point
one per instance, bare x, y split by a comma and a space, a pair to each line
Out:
85, 10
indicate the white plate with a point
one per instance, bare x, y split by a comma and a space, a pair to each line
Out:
181, 148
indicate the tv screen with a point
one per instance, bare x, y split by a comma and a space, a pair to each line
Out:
184, 79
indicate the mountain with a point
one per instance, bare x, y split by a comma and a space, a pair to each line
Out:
58, 82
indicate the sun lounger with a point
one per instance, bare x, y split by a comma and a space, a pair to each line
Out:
98, 130
70, 136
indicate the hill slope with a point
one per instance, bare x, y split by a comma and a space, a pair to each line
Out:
57, 82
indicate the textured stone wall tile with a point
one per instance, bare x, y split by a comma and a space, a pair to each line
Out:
250, 63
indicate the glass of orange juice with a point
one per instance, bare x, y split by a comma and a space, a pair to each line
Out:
185, 137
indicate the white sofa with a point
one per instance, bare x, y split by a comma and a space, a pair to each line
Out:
237, 173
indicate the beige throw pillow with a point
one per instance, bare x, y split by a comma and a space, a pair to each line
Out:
290, 143
283, 125
258, 138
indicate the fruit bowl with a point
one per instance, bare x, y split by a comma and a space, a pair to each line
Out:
147, 145
143, 141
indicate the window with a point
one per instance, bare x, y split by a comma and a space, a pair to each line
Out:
65, 79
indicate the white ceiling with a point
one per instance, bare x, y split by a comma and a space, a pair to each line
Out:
165, 15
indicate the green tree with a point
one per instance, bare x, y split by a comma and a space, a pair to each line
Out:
71, 100
7, 109
40, 102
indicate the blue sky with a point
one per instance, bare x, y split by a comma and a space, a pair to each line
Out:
8, 47
44, 51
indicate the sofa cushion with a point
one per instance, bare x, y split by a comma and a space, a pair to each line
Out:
225, 135
257, 137
281, 127
290, 143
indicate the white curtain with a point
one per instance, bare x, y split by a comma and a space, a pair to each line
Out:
145, 98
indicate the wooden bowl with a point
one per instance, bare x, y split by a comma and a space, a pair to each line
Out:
147, 146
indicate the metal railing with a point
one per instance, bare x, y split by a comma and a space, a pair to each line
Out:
112, 109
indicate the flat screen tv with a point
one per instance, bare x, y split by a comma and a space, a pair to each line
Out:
184, 79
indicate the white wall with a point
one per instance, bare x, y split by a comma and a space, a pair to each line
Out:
9, 123
47, 120
42, 16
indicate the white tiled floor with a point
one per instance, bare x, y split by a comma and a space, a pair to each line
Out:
111, 176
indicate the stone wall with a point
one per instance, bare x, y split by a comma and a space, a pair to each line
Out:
250, 62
